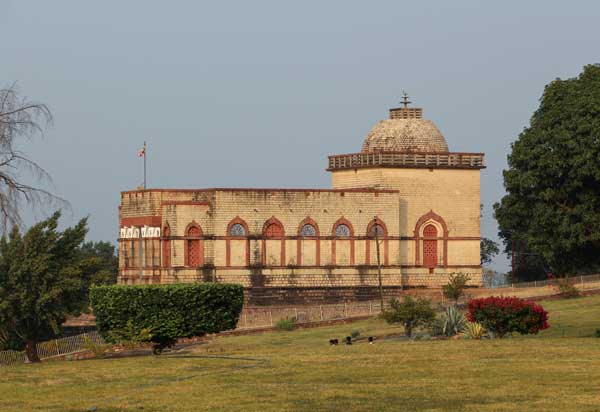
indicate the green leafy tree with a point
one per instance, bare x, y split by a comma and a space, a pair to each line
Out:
99, 262
40, 282
410, 313
488, 249
552, 204
455, 288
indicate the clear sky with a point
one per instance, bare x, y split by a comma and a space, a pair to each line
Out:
258, 93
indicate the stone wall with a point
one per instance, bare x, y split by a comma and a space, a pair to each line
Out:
452, 194
287, 261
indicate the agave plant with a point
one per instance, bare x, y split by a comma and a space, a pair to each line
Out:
454, 321
474, 330
451, 323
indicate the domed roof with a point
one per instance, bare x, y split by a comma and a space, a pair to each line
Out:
405, 131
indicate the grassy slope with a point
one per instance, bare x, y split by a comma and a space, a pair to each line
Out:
299, 371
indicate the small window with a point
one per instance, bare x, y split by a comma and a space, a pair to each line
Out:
308, 230
377, 228
193, 232
274, 230
237, 230
342, 231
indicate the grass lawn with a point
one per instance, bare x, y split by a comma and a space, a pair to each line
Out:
299, 371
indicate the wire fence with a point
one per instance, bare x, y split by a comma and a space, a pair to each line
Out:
54, 348
582, 282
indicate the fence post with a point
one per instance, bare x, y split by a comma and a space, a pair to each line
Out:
345, 309
321, 310
271, 316
296, 312
370, 307
535, 283
581, 281
56, 345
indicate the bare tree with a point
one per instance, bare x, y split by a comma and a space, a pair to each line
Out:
21, 119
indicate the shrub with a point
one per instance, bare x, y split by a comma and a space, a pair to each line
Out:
565, 287
130, 336
502, 315
410, 313
285, 324
454, 289
355, 333
474, 330
167, 312
97, 349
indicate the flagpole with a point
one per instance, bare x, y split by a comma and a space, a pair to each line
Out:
144, 164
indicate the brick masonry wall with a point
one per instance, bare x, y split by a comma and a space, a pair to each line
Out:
452, 194
304, 263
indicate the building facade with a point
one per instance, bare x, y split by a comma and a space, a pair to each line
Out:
404, 207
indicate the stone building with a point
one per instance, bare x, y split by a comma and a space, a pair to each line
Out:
403, 205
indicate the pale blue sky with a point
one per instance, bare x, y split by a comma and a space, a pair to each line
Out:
258, 93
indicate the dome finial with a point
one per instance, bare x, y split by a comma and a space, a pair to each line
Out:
405, 100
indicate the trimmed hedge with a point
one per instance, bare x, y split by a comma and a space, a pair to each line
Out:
170, 312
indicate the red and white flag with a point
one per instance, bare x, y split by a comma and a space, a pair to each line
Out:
142, 151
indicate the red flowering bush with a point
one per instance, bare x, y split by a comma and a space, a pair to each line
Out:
502, 315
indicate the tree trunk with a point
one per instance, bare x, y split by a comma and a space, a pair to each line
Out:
408, 329
31, 351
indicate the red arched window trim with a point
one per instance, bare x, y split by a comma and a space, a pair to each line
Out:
380, 223
430, 254
370, 236
194, 246
228, 237
237, 221
272, 230
342, 221
427, 217
308, 221
166, 247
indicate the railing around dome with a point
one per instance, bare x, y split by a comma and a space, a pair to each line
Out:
400, 159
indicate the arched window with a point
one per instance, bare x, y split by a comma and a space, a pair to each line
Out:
431, 234
342, 244
273, 246
237, 230
237, 237
274, 229
376, 228
430, 254
308, 230
166, 247
342, 230
194, 250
